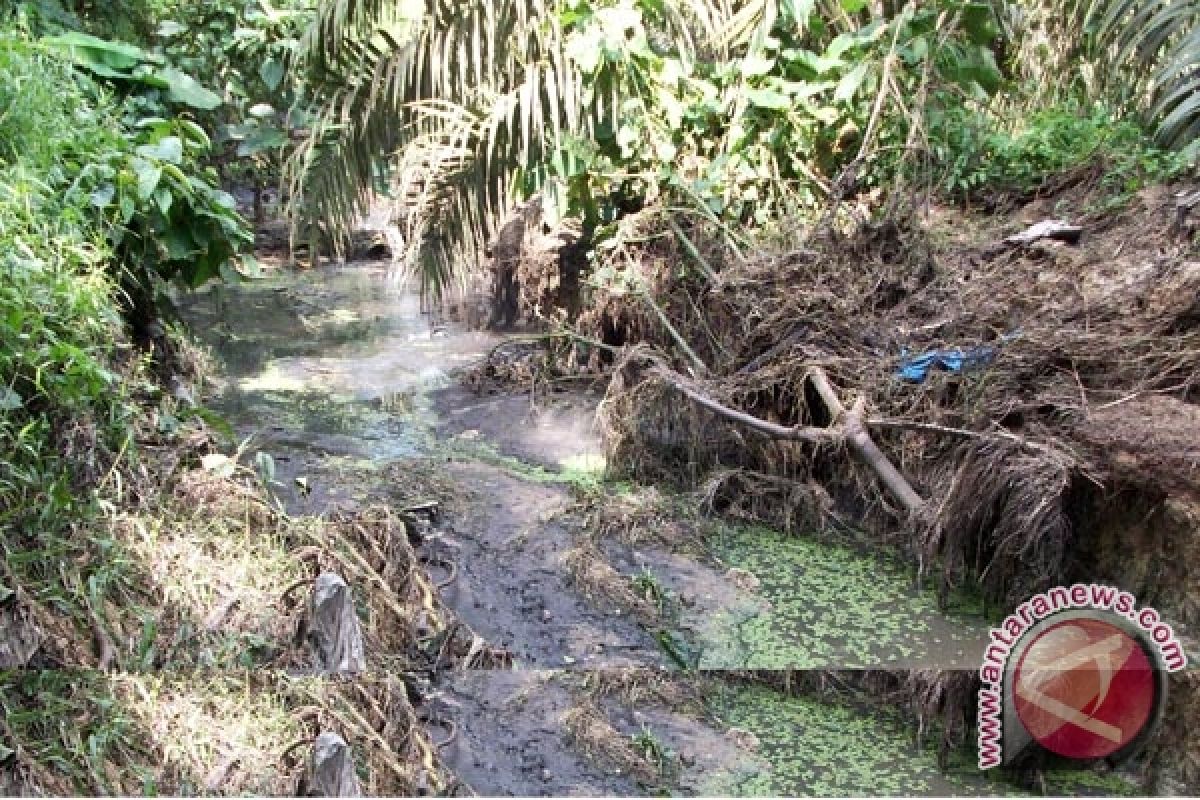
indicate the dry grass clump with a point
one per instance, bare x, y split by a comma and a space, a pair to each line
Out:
201, 569
594, 736
640, 517
212, 562
641, 687
601, 583
229, 733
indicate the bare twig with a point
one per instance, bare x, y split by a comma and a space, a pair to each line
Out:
903, 424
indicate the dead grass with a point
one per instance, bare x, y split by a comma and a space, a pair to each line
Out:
604, 586
191, 586
643, 516
229, 733
595, 737
641, 687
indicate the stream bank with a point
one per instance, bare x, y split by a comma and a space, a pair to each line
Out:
349, 389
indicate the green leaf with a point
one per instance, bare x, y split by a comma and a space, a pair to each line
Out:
271, 72
168, 28
266, 466
978, 21
229, 273
163, 198
168, 149
178, 243
853, 6
148, 176
183, 88
251, 267
798, 10
128, 208
262, 139
103, 197
818, 64
224, 200
850, 83
94, 53
754, 65
769, 99
10, 400
202, 269
195, 134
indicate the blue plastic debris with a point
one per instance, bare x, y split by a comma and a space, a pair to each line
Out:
953, 360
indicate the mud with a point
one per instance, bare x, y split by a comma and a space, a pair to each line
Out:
349, 388
512, 586
510, 737
555, 431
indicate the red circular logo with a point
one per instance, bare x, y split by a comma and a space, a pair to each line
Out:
1084, 688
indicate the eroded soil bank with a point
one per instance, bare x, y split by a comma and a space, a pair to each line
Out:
600, 592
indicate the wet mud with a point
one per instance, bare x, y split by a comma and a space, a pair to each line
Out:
349, 388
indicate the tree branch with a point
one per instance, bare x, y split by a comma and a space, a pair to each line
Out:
802, 433
848, 426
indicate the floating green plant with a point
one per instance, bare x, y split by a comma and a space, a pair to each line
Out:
824, 604
817, 747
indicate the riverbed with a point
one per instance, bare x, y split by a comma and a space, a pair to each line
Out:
349, 386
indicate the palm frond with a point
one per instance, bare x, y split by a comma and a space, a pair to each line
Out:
1158, 44
465, 98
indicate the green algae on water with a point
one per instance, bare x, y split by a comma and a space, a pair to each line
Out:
828, 605
824, 748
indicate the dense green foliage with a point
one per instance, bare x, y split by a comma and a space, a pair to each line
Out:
58, 309
227, 62
1147, 53
745, 114
100, 207
244, 50
974, 158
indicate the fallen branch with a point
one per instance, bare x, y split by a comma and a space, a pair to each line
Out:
846, 426
858, 437
1005, 436
803, 433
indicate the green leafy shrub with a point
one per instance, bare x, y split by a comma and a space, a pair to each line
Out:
96, 215
167, 221
976, 159
245, 50
59, 396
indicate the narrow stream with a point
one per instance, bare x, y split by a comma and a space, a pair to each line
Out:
341, 378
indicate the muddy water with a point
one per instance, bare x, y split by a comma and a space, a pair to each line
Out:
349, 386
